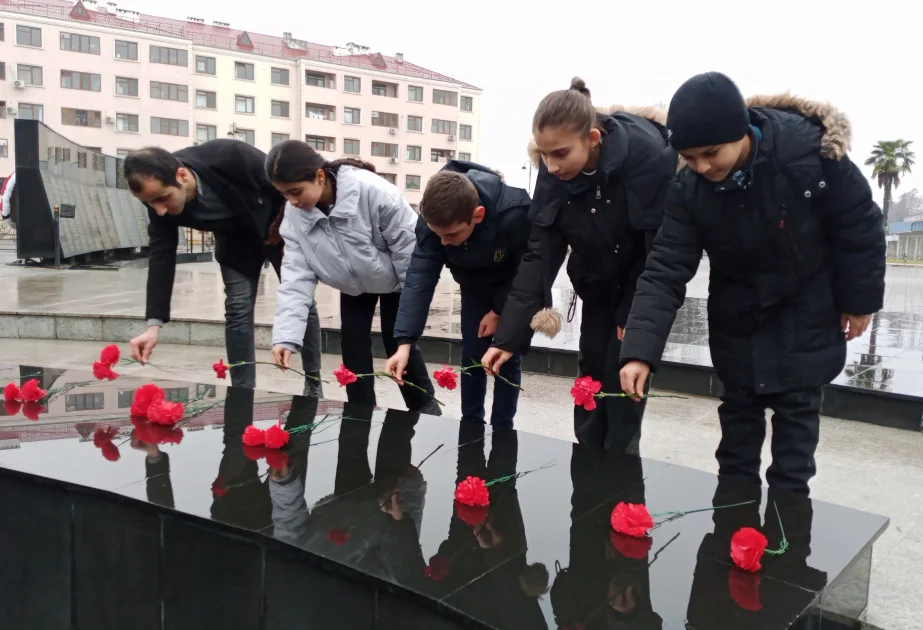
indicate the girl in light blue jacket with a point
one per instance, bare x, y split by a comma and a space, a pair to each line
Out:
351, 229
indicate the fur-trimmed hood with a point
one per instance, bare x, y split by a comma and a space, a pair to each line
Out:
837, 138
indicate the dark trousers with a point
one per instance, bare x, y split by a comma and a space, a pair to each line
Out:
356, 313
474, 382
615, 424
795, 431
240, 292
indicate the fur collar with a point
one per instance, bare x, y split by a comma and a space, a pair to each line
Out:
837, 128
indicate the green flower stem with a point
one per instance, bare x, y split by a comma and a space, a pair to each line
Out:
406, 382
634, 396
464, 370
783, 546
708, 509
518, 475
290, 369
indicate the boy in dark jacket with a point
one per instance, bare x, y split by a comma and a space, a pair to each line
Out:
478, 226
797, 256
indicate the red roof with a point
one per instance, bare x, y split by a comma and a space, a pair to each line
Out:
224, 37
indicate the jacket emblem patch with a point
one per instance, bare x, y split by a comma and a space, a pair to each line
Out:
498, 255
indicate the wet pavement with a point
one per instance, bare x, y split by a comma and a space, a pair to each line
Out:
889, 358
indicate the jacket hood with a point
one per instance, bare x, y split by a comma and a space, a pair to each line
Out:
837, 137
494, 193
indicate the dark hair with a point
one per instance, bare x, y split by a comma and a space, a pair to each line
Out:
294, 161
151, 163
449, 198
569, 108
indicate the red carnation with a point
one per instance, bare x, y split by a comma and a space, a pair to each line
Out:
220, 368
11, 407
337, 536
584, 392
471, 515
472, 491
218, 488
276, 436
437, 569
111, 452
103, 371
145, 396
744, 589
254, 436
31, 410
447, 377
276, 459
102, 436
747, 547
110, 355
631, 519
344, 375
12, 393
632, 547
31, 392
163, 412
156, 433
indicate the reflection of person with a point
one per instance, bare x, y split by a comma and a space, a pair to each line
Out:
797, 260
157, 473
218, 187
600, 189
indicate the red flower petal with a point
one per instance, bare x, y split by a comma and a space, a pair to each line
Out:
111, 452
744, 589
471, 515
337, 536
438, 568
156, 433
584, 391
32, 410
276, 459
472, 491
254, 437
446, 378
276, 436
145, 396
344, 375
218, 488
631, 546
103, 371
31, 392
163, 412
103, 436
747, 547
631, 519
12, 393
220, 368
110, 355
11, 407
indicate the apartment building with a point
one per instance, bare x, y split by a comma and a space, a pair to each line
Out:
117, 80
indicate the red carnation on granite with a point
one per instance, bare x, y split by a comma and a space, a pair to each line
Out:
747, 547
32, 410
276, 459
218, 488
344, 375
163, 412
632, 547
31, 392
110, 355
472, 491
145, 396
156, 433
471, 515
447, 377
584, 392
437, 569
631, 519
276, 436
102, 439
254, 436
12, 393
11, 407
744, 589
103, 371
337, 536
221, 370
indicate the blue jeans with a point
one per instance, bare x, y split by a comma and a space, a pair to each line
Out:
240, 293
474, 382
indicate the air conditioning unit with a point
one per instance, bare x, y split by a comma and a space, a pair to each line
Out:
394, 160
451, 138
392, 131
110, 120
10, 111
19, 84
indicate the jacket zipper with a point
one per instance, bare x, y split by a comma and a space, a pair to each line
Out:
342, 249
599, 192
788, 232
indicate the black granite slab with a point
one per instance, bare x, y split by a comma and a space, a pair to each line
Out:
359, 528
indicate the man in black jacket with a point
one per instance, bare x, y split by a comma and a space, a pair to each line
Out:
797, 256
478, 226
220, 187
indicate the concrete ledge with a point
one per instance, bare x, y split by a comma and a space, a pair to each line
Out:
851, 403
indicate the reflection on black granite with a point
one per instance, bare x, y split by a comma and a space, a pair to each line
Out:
358, 528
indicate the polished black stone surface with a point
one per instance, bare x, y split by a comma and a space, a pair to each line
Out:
359, 530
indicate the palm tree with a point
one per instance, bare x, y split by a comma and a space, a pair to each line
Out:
890, 160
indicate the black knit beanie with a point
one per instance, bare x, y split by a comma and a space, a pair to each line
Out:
707, 109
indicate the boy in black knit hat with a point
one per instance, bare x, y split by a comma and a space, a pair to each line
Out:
797, 255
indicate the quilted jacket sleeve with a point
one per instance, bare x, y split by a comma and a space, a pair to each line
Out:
296, 289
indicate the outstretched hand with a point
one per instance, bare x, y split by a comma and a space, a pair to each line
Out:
854, 325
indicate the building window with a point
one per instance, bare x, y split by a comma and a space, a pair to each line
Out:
442, 97
176, 394
126, 122
412, 182
203, 390
464, 132
204, 133
246, 135
126, 50
122, 153
321, 143
279, 76
278, 138
464, 157
169, 56
280, 109
317, 111
80, 43
169, 91
31, 75
31, 111
243, 71
380, 88
206, 100
350, 146
126, 86
126, 396
467, 103
81, 117
81, 81
443, 126
320, 79
415, 93
352, 84
28, 36
382, 149
415, 123
441, 155
389, 177
2, 32
414, 154
2, 71
384, 119
4, 147
83, 402
169, 126
205, 65
244, 104
352, 115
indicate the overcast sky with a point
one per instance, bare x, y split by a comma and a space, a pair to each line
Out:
860, 57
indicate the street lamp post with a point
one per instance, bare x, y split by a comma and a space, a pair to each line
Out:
529, 165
